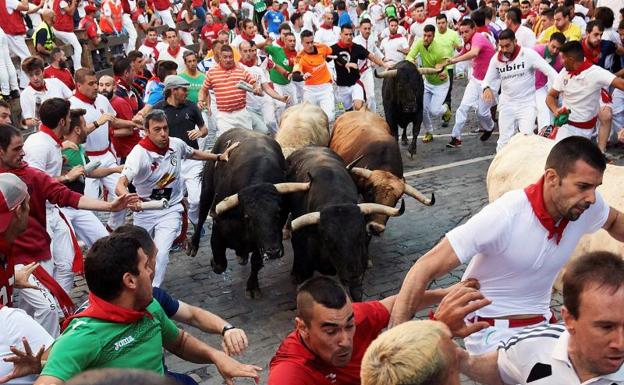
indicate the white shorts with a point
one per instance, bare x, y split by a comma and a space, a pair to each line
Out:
567, 130
236, 119
488, 339
348, 94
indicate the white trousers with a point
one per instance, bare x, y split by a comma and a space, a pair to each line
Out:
132, 33
544, 116
187, 37
93, 185
289, 89
235, 119
473, 99
488, 339
62, 248
347, 95
257, 122
8, 75
39, 303
520, 114
70, 38
191, 174
567, 130
164, 227
369, 86
18, 47
618, 110
321, 95
433, 103
87, 226
208, 141
268, 113
166, 18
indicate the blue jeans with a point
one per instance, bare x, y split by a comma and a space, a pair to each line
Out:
180, 378
200, 12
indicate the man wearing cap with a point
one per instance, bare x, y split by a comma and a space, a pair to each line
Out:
16, 324
33, 245
186, 123
154, 167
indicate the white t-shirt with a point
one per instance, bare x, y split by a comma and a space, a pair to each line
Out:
528, 354
417, 30
386, 32
328, 37
370, 45
258, 39
28, 98
376, 12
453, 15
581, 93
309, 21
15, 325
98, 139
525, 37
255, 102
148, 53
517, 77
511, 256
390, 49
158, 176
42, 152
178, 59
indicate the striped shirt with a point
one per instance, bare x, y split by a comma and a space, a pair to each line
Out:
223, 82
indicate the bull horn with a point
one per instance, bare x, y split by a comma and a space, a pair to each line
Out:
291, 187
429, 71
226, 204
386, 74
354, 162
305, 220
363, 172
376, 208
414, 193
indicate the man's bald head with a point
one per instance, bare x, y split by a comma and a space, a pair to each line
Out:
106, 86
47, 15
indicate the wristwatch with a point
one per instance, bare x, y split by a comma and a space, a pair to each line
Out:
96, 124
226, 328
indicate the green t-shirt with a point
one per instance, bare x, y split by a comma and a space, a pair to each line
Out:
391, 11
448, 41
279, 57
75, 157
259, 5
90, 343
196, 84
429, 57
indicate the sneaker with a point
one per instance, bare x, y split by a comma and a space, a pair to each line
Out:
444, 124
454, 143
447, 115
486, 135
428, 137
176, 247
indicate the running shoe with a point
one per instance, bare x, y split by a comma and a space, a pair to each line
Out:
454, 143
486, 135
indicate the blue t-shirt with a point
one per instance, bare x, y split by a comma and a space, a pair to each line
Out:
274, 19
344, 19
154, 92
168, 303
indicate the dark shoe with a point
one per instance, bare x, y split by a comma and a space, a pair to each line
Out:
15, 94
444, 124
486, 135
454, 143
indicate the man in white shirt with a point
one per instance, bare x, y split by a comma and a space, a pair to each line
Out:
513, 68
417, 29
39, 90
327, 33
587, 348
249, 33
517, 244
524, 36
12, 24
579, 84
173, 52
151, 48
154, 168
367, 39
376, 11
307, 17
395, 46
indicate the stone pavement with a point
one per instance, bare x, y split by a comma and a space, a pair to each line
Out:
460, 193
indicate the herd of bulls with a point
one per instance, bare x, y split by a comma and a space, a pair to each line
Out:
330, 200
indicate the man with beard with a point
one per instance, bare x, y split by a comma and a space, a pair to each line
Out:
513, 69
367, 39
283, 55
58, 68
517, 244
126, 103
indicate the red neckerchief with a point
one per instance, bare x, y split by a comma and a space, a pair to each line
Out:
42, 87
153, 45
483, 29
395, 36
147, 144
19, 170
421, 20
591, 54
84, 97
535, 194
325, 26
122, 82
172, 52
106, 311
503, 59
281, 43
47, 130
247, 37
61, 296
251, 63
344, 46
582, 67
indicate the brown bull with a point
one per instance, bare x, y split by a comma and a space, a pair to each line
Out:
364, 137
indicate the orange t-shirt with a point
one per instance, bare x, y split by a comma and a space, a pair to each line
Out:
314, 64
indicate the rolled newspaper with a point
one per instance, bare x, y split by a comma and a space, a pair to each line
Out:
245, 86
155, 205
91, 166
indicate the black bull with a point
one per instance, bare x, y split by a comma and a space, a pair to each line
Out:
329, 226
245, 198
402, 93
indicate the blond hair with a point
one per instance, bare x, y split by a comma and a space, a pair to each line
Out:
407, 354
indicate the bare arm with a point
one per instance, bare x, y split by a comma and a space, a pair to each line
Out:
48, 380
467, 56
122, 186
271, 92
615, 224
618, 83
102, 172
23, 6
121, 202
482, 368
71, 8
122, 123
551, 101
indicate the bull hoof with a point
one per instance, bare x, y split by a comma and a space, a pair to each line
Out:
217, 268
404, 140
242, 260
253, 293
412, 149
191, 250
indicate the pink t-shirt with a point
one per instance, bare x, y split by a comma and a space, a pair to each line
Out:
540, 78
481, 62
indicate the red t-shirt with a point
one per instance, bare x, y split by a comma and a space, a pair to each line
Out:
123, 144
6, 275
61, 74
210, 32
433, 8
88, 24
295, 364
